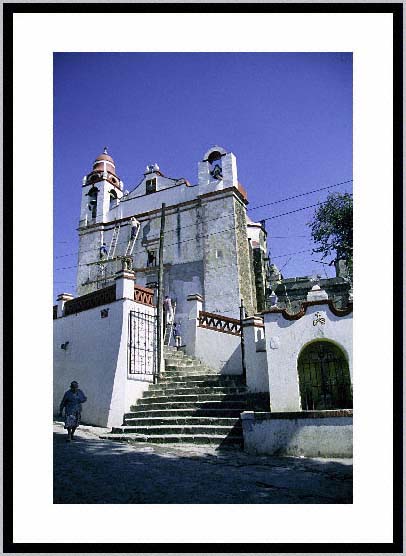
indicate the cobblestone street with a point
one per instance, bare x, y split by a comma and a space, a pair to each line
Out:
94, 471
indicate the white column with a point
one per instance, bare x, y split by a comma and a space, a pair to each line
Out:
62, 299
255, 355
229, 166
125, 284
194, 306
203, 172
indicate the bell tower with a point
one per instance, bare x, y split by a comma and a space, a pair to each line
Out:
217, 166
102, 190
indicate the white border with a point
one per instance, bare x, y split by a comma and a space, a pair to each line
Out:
369, 519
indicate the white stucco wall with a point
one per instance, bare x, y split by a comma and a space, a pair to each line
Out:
96, 357
216, 349
285, 339
327, 436
219, 351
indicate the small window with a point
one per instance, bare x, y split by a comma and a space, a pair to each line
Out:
151, 186
113, 199
93, 201
151, 258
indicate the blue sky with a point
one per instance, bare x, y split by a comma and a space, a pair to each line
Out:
286, 116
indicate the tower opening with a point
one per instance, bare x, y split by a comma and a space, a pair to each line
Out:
92, 206
216, 168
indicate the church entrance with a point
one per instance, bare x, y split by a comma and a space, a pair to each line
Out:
324, 377
142, 343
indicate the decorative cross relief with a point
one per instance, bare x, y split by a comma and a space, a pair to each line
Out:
318, 319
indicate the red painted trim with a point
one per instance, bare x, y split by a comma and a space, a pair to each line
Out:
302, 311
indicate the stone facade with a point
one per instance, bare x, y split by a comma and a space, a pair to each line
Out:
206, 241
292, 292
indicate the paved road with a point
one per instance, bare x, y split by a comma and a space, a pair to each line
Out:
94, 471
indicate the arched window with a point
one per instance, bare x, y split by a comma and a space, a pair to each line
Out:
113, 199
324, 378
216, 169
93, 201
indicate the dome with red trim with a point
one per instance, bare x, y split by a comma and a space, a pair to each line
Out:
104, 162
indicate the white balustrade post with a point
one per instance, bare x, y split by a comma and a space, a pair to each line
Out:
62, 299
195, 305
255, 356
125, 284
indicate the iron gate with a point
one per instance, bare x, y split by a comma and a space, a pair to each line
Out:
324, 378
142, 343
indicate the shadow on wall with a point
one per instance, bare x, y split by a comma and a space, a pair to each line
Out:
234, 363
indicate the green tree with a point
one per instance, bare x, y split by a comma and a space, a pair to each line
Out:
331, 228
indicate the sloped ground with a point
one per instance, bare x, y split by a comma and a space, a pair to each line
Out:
94, 471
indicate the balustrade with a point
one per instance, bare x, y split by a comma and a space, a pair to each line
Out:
219, 323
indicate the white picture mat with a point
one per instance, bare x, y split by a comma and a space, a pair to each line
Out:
369, 518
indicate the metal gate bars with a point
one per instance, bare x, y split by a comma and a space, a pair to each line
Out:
324, 378
142, 343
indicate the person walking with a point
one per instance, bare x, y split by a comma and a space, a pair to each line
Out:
72, 402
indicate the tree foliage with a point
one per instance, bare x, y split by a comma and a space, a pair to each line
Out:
331, 228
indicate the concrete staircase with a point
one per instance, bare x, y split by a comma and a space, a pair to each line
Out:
191, 404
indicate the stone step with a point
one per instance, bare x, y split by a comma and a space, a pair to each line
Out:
223, 404
180, 420
171, 349
200, 380
180, 362
187, 368
180, 391
178, 356
212, 440
179, 375
176, 413
195, 398
178, 429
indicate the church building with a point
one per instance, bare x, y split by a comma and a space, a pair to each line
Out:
211, 246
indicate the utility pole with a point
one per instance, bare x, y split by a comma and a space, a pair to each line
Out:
160, 347
242, 316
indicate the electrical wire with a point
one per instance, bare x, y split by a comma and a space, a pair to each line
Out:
172, 244
253, 208
200, 236
301, 195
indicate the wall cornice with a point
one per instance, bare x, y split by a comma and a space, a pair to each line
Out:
296, 316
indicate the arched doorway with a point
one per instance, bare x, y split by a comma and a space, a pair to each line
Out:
324, 378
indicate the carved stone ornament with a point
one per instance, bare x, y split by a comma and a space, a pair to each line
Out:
319, 319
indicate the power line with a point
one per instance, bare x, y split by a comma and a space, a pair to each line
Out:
140, 252
253, 208
289, 254
169, 244
301, 194
200, 236
205, 235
